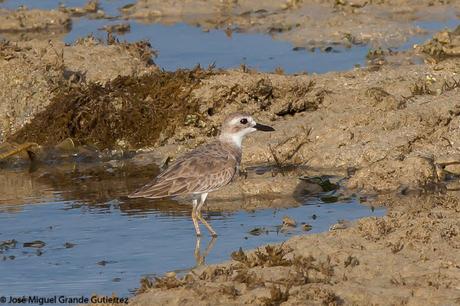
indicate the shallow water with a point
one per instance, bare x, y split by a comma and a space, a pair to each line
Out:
184, 46
112, 241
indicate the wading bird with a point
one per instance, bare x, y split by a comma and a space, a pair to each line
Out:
205, 169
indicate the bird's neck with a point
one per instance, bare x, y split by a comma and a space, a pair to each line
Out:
234, 139
232, 146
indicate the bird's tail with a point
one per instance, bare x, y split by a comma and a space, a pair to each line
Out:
152, 191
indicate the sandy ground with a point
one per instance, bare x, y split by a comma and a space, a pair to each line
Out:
391, 130
409, 257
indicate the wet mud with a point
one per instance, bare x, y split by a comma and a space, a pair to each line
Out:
406, 257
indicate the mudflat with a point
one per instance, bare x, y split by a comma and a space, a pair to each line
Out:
391, 130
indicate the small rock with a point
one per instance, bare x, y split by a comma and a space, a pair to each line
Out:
298, 49
69, 245
7, 244
351, 261
257, 231
170, 274
449, 159
34, 244
105, 262
289, 222
454, 169
330, 199
67, 145
120, 28
453, 185
307, 227
342, 224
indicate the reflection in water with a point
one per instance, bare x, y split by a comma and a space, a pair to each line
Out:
201, 257
97, 185
18, 187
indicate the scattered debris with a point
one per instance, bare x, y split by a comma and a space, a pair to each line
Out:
8, 244
277, 296
69, 245
289, 222
351, 261
91, 8
342, 224
443, 45
34, 244
120, 28
257, 231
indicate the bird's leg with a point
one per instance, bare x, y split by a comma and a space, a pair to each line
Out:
194, 217
200, 217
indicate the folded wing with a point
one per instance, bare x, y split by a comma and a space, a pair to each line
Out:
202, 170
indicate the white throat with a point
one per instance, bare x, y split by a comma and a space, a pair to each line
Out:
235, 138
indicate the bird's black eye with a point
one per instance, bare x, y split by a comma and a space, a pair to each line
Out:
244, 121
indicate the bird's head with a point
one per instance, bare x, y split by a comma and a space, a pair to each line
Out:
238, 125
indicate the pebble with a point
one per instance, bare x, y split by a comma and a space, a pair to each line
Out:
34, 244
288, 221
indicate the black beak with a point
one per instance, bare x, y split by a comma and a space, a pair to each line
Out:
264, 128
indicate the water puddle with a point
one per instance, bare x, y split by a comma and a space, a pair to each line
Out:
69, 229
184, 46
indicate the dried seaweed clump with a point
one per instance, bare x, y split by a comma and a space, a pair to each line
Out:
277, 296
270, 257
300, 98
288, 276
130, 111
444, 44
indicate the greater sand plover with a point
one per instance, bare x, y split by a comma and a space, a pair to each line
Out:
205, 169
